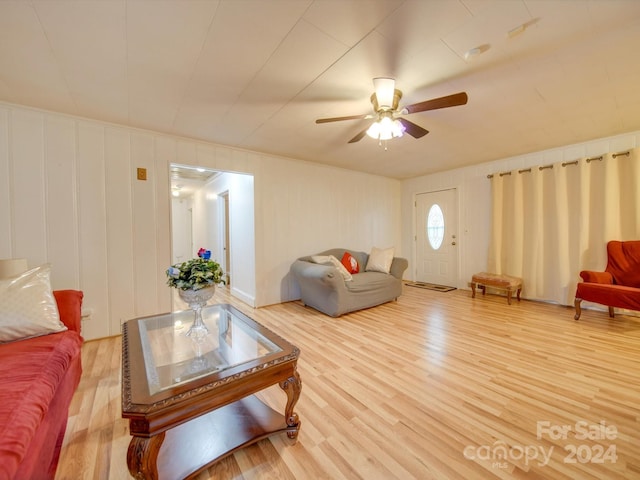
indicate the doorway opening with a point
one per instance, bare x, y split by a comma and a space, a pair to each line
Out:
214, 210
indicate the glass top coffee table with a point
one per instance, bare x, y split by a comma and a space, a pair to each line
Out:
189, 399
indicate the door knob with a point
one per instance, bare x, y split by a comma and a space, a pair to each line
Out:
453, 243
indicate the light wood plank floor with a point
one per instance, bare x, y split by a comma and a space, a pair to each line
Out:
435, 385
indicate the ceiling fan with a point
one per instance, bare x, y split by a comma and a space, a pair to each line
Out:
389, 121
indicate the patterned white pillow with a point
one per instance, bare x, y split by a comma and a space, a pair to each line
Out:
341, 268
27, 306
334, 262
380, 260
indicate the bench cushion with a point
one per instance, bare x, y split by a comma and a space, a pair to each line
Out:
497, 280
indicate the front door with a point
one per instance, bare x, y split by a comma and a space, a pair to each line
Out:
437, 237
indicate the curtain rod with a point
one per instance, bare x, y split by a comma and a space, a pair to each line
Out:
528, 170
566, 164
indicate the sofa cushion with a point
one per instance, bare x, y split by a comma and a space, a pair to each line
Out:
624, 262
31, 371
619, 296
350, 263
70, 308
380, 260
27, 306
370, 282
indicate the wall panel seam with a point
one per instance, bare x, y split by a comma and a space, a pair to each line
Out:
12, 220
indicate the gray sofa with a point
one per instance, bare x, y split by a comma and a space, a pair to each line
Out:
324, 288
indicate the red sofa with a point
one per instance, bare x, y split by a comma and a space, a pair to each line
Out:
38, 377
619, 285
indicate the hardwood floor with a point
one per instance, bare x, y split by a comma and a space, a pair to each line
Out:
435, 385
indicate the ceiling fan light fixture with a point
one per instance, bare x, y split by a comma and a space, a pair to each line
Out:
386, 129
385, 90
389, 122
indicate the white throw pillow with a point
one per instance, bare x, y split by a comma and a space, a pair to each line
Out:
341, 268
321, 259
27, 306
334, 262
380, 260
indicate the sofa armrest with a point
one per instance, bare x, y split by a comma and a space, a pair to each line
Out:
70, 308
398, 266
314, 271
596, 277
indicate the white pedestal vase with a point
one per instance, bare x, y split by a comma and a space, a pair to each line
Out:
196, 299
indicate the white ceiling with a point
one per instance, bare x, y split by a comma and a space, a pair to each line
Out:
256, 73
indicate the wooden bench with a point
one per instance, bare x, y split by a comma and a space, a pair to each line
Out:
497, 281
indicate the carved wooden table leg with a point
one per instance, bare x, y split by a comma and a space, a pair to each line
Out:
292, 386
142, 456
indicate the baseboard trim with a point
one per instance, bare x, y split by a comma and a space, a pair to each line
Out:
246, 298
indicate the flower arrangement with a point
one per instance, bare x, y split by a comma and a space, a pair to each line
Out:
195, 274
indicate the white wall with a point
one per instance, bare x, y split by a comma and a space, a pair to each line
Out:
475, 197
204, 219
321, 207
181, 229
69, 196
242, 239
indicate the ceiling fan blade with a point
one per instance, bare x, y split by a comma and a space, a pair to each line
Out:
339, 119
436, 103
359, 136
416, 131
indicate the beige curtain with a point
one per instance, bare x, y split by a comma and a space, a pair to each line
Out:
550, 223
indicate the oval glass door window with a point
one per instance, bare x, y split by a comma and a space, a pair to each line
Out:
435, 226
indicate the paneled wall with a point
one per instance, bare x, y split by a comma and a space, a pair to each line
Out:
69, 196
475, 197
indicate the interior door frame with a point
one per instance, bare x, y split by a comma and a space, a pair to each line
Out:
223, 228
414, 241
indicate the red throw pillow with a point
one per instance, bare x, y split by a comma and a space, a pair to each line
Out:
350, 263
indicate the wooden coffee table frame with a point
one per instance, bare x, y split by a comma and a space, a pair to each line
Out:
183, 430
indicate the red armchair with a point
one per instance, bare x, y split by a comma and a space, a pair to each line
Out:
619, 285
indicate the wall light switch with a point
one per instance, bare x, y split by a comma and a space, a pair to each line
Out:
142, 173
